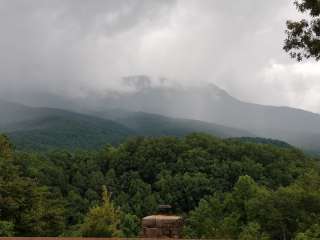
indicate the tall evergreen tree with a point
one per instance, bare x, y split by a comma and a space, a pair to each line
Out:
102, 221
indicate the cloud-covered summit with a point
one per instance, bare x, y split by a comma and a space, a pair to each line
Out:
80, 48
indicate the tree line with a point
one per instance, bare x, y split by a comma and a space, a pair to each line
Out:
227, 188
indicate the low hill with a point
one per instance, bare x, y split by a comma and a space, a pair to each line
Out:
46, 128
67, 133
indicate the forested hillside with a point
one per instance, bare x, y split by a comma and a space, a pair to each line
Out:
67, 132
223, 188
32, 128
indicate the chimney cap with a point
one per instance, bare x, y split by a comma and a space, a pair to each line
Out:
164, 208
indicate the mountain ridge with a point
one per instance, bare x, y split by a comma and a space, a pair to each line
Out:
205, 108
214, 105
45, 128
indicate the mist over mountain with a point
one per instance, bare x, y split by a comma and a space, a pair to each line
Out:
50, 128
154, 108
112, 109
212, 104
148, 124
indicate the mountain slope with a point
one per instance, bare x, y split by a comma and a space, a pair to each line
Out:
148, 124
44, 128
212, 104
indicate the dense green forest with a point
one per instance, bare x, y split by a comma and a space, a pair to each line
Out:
229, 188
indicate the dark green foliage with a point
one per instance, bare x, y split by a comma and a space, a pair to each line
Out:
27, 208
310, 234
6, 229
130, 225
303, 37
251, 211
225, 188
69, 131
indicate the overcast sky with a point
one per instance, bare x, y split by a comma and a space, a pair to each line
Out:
81, 47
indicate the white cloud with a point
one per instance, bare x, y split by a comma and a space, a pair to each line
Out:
296, 84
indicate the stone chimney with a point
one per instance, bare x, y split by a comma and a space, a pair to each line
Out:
162, 225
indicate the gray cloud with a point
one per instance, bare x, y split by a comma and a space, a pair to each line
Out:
69, 47
76, 48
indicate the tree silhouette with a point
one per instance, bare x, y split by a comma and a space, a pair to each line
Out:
303, 37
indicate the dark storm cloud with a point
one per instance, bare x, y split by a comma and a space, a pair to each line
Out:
76, 48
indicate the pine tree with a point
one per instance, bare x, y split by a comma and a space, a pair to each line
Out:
102, 221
